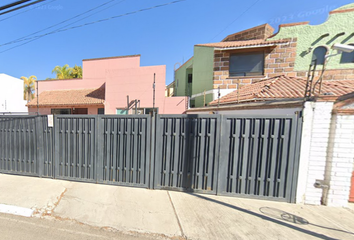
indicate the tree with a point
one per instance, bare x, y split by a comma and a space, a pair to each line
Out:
66, 72
63, 72
28, 87
76, 72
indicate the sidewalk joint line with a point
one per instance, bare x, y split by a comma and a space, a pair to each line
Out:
174, 210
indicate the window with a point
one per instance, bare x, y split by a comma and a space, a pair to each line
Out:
122, 111
61, 111
146, 111
319, 54
190, 78
246, 64
100, 111
347, 57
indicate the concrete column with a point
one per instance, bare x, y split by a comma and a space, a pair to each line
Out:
317, 157
304, 151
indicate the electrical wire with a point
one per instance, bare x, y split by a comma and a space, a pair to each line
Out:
23, 6
25, 11
10, 5
26, 37
237, 18
86, 24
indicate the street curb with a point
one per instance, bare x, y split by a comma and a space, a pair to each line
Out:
19, 211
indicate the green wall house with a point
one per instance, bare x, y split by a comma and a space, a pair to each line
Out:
196, 77
317, 40
217, 69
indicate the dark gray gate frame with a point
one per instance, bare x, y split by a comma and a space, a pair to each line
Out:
296, 130
191, 124
47, 149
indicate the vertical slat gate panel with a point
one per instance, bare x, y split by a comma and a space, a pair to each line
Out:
186, 152
18, 147
126, 150
256, 156
74, 148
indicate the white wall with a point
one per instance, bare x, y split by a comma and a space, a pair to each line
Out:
327, 154
313, 155
340, 160
11, 94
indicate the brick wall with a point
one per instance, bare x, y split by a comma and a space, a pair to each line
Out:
340, 160
260, 32
279, 60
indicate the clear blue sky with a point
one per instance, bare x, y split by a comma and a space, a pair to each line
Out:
163, 36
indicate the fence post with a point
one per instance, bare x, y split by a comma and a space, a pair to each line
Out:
99, 127
218, 151
152, 151
56, 161
40, 145
298, 126
223, 156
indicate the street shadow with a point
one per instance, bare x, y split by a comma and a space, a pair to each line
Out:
285, 216
270, 219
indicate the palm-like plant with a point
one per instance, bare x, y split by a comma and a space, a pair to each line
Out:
63, 72
76, 72
28, 87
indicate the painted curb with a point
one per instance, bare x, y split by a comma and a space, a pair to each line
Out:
19, 211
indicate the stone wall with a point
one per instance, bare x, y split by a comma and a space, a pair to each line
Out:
259, 32
279, 60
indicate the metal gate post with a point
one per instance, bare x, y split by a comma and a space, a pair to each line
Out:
298, 124
56, 161
223, 157
98, 149
152, 150
40, 145
220, 120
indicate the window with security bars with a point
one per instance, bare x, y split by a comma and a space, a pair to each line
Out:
246, 64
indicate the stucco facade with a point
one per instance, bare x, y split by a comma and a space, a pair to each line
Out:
288, 52
337, 29
120, 77
11, 97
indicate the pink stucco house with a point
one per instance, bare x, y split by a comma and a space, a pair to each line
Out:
115, 85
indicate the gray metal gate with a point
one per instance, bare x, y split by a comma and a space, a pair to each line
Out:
75, 148
187, 149
18, 145
22, 148
259, 156
237, 155
103, 149
124, 150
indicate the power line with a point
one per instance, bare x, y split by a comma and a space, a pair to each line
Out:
25, 37
25, 11
237, 18
23, 6
87, 24
13, 4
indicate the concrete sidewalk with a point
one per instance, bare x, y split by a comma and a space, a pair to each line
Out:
174, 214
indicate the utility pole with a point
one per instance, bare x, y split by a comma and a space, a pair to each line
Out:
153, 100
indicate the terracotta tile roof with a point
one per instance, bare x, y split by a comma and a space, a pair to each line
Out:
70, 97
283, 87
248, 43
